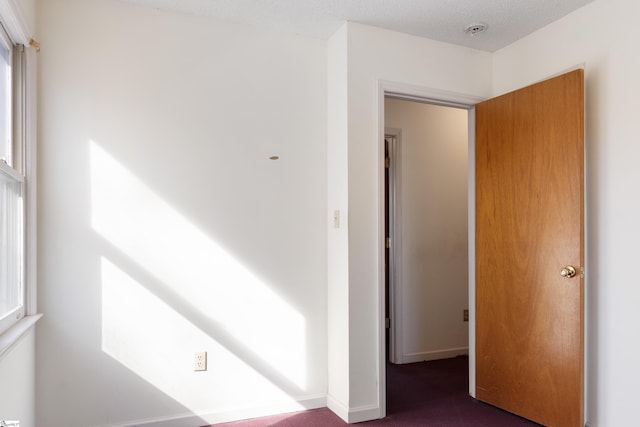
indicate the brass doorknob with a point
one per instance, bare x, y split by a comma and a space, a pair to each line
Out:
568, 272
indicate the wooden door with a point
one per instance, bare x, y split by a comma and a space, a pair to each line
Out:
529, 226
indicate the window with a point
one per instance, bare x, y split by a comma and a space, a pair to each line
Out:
12, 185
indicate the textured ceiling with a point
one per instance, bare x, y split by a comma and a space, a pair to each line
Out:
444, 20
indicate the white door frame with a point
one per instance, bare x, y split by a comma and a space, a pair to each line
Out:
394, 278
436, 97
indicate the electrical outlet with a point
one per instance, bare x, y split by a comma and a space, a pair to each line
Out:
200, 361
465, 315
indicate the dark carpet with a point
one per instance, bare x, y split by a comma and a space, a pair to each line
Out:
433, 394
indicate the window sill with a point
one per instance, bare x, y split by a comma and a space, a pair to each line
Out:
14, 334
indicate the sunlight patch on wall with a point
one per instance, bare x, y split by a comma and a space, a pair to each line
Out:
241, 312
150, 338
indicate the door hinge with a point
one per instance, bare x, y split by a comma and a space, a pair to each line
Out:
387, 323
388, 243
387, 162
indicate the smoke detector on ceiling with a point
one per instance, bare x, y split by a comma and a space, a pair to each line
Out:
475, 29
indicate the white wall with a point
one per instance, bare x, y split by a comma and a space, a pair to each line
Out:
374, 54
432, 209
17, 376
601, 36
337, 232
164, 227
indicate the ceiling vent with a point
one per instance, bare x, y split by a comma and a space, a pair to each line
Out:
475, 29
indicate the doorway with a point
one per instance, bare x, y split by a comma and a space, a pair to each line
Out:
426, 229
435, 98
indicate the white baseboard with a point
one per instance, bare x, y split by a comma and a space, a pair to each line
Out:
434, 355
179, 420
364, 413
214, 417
338, 409
353, 415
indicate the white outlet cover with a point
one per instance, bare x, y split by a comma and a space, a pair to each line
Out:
200, 361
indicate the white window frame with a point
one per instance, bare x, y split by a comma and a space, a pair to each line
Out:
23, 162
6, 42
11, 170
